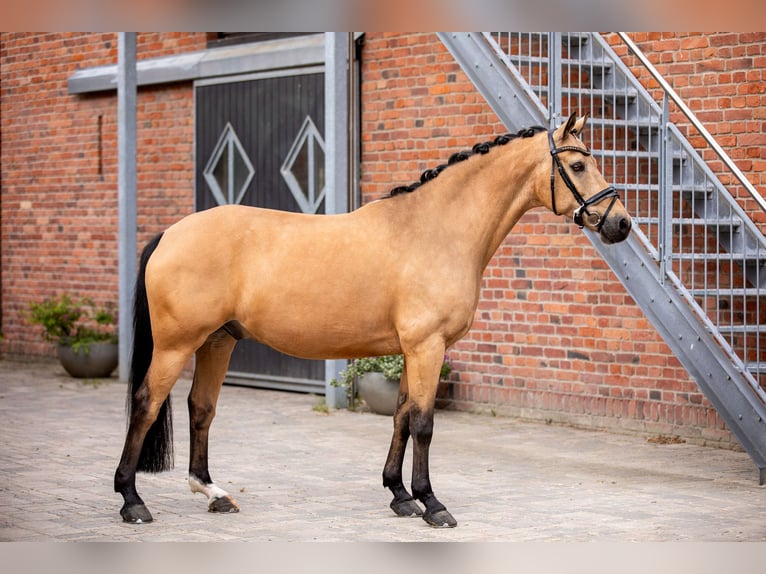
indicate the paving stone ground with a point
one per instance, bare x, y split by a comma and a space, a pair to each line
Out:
300, 475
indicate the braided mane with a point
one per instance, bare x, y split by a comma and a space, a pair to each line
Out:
479, 148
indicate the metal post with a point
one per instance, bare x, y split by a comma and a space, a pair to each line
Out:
665, 204
126, 192
554, 79
337, 60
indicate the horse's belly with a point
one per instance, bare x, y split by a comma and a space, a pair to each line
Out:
323, 332
308, 343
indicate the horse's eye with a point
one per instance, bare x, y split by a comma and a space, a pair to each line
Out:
578, 166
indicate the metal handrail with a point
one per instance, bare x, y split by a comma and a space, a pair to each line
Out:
693, 119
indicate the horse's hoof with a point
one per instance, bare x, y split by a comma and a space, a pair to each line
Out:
224, 504
407, 507
136, 514
440, 519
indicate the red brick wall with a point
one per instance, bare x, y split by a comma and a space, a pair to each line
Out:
556, 336
59, 174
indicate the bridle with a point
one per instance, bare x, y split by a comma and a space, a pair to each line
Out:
584, 203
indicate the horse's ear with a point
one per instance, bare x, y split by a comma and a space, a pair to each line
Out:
579, 125
569, 125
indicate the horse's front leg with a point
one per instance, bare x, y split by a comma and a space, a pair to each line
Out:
423, 366
210, 370
403, 504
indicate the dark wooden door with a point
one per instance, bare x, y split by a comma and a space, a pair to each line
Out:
259, 142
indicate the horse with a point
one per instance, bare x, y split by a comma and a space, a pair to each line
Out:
399, 275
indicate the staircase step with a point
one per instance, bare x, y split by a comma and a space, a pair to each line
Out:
734, 222
742, 329
746, 257
575, 38
678, 155
571, 38
643, 124
741, 292
610, 95
699, 191
592, 66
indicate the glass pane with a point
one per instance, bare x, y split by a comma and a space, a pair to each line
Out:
318, 168
241, 173
221, 171
300, 168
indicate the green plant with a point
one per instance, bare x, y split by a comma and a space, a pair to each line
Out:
75, 324
390, 365
321, 407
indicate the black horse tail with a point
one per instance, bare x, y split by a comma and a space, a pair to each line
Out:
157, 450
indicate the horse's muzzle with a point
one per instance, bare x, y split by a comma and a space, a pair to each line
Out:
615, 229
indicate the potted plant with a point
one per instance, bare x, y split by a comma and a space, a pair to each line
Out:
84, 334
377, 381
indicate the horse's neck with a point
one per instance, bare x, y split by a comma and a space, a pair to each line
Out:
479, 201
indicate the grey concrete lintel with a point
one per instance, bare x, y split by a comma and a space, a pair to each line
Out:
230, 60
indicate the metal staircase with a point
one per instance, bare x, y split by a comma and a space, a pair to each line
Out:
696, 262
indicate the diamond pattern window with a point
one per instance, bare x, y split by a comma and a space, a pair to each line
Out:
229, 171
303, 168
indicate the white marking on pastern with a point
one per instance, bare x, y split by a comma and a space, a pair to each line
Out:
212, 491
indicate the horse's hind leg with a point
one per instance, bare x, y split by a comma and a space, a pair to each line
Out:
211, 365
403, 504
146, 403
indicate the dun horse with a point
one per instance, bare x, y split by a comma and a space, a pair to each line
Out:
399, 275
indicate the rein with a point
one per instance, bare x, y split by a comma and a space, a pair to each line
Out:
584, 203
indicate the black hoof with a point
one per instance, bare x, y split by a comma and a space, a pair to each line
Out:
224, 504
440, 519
406, 507
136, 514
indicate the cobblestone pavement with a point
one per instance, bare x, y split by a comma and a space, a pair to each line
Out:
301, 475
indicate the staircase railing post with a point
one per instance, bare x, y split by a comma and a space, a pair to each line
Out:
665, 204
554, 79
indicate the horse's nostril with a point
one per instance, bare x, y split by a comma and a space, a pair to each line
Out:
624, 224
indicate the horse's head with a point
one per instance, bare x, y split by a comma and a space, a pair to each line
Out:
578, 190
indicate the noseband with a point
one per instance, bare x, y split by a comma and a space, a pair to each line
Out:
584, 203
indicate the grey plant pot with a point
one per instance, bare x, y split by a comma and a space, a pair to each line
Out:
378, 392
97, 363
